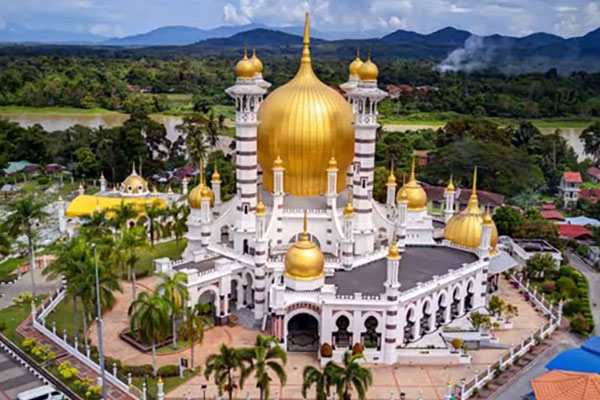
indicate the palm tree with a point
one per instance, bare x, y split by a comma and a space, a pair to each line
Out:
195, 320
193, 128
264, 356
178, 215
24, 214
173, 289
131, 241
214, 128
122, 214
149, 321
97, 225
323, 379
5, 243
222, 366
351, 374
153, 211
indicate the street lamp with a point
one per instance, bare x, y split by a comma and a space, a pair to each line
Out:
99, 324
204, 392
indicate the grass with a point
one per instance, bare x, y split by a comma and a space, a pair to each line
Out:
9, 266
170, 382
166, 249
53, 110
11, 317
181, 344
63, 317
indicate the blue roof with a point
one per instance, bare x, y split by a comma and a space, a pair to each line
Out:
576, 360
582, 221
592, 345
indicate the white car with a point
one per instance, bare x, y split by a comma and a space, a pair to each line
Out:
42, 393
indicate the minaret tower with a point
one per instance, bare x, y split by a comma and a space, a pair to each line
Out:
401, 220
198, 222
485, 241
260, 259
449, 200
364, 100
332, 173
215, 183
391, 193
248, 97
392, 286
347, 248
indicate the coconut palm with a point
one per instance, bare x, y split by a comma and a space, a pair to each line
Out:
195, 321
323, 379
214, 128
131, 241
265, 356
5, 243
173, 289
153, 211
149, 321
222, 366
351, 374
97, 225
178, 215
123, 213
24, 214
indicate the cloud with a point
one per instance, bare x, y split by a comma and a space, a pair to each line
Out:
232, 16
564, 9
106, 30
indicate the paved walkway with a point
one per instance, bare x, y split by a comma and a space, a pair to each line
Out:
7, 292
593, 279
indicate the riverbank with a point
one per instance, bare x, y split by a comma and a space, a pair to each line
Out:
20, 110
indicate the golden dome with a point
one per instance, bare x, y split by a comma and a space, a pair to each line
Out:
134, 184
256, 63
245, 67
200, 192
305, 121
413, 192
349, 209
391, 181
393, 252
304, 259
450, 188
356, 64
368, 71
464, 228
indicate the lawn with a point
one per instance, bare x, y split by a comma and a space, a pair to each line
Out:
166, 249
53, 110
181, 344
11, 317
170, 382
9, 266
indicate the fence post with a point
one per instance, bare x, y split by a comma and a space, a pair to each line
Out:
54, 327
65, 335
88, 351
143, 390
33, 310
76, 342
114, 369
160, 393
129, 380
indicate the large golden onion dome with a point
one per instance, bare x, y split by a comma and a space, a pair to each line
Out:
134, 184
304, 122
355, 65
464, 228
245, 67
413, 192
258, 65
200, 192
368, 71
304, 260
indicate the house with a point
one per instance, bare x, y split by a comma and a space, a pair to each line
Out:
54, 168
548, 206
569, 187
523, 249
436, 201
14, 167
566, 385
594, 174
575, 232
552, 215
592, 195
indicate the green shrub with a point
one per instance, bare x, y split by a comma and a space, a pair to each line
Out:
548, 287
566, 271
28, 344
573, 307
567, 287
66, 371
138, 370
42, 179
457, 343
580, 325
168, 370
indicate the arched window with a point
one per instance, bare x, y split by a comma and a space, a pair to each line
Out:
342, 336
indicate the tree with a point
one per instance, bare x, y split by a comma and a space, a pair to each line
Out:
591, 140
222, 367
540, 229
123, 213
5, 243
87, 164
351, 374
96, 227
496, 306
195, 321
539, 265
214, 128
152, 212
178, 215
24, 215
507, 220
322, 379
173, 289
129, 243
194, 130
480, 321
149, 321
265, 356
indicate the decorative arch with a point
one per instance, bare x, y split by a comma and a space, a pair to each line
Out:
365, 315
443, 295
215, 290
457, 286
411, 307
469, 284
426, 305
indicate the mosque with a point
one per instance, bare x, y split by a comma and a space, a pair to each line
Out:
304, 251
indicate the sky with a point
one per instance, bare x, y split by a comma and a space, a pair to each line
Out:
125, 17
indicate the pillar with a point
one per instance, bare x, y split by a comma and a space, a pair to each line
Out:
185, 184
347, 245
449, 194
391, 193
260, 261
332, 173
102, 183
216, 185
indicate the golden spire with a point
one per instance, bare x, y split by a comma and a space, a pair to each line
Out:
245, 68
305, 225
487, 217
393, 253
306, 42
412, 170
278, 163
260, 206
258, 65
202, 172
355, 64
450, 188
349, 209
368, 71
216, 178
392, 178
473, 201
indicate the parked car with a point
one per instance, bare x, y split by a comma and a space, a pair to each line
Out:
41, 393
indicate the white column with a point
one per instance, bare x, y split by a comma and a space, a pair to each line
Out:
102, 183
62, 221
449, 194
260, 261
401, 221
347, 245
184, 183
332, 173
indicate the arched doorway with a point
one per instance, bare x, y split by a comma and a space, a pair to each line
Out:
409, 326
303, 333
441, 311
455, 303
210, 297
342, 336
470, 296
371, 339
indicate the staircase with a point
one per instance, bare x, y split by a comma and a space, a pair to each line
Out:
246, 319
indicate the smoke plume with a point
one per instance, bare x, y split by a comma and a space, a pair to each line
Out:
474, 55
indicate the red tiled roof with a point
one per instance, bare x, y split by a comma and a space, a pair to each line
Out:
573, 231
572, 177
436, 193
595, 172
566, 385
548, 206
552, 214
593, 195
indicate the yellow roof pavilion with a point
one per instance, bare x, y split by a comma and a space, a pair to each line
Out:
85, 205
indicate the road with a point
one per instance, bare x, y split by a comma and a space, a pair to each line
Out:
593, 279
7, 292
14, 378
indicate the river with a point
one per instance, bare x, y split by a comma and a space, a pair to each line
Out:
51, 122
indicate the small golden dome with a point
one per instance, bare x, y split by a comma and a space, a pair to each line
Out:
200, 192
414, 193
258, 65
393, 252
349, 209
368, 71
391, 181
134, 184
260, 206
450, 188
245, 68
216, 178
356, 64
332, 164
464, 228
487, 218
278, 163
304, 260
114, 189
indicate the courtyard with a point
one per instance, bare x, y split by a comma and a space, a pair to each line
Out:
432, 380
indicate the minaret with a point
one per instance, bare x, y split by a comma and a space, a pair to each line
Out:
485, 241
392, 286
401, 220
364, 100
260, 259
199, 219
332, 173
248, 97
205, 217
352, 82
215, 183
278, 192
80, 190
391, 193
347, 250
102, 183
449, 200
60, 210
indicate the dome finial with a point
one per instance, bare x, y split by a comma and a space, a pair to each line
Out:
260, 206
349, 209
412, 170
392, 177
306, 40
451, 188
201, 172
305, 227
245, 51
133, 172
393, 252
474, 190
473, 200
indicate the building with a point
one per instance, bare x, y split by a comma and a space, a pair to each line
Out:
575, 232
591, 195
594, 173
304, 251
552, 215
436, 199
522, 250
569, 187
